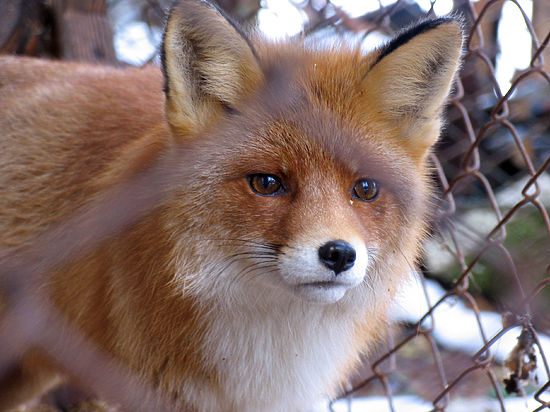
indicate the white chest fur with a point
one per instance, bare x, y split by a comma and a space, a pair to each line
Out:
270, 349
285, 357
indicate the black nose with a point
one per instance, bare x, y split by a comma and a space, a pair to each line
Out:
337, 255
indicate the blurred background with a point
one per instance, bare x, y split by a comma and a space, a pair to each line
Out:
473, 325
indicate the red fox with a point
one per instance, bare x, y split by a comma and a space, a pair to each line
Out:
260, 280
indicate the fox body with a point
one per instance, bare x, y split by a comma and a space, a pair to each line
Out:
258, 282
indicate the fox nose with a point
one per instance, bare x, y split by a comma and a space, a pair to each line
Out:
337, 255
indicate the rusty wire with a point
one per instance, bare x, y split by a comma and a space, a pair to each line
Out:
459, 164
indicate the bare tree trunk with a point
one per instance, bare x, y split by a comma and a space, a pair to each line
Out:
242, 10
489, 26
84, 31
541, 24
26, 28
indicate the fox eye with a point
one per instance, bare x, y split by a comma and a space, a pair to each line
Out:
366, 190
265, 185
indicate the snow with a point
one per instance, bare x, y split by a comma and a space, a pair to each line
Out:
135, 42
280, 18
380, 403
455, 326
416, 404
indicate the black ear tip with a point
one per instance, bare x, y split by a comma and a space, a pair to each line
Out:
430, 24
409, 33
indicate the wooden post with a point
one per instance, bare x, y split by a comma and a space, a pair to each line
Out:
84, 31
24, 28
541, 24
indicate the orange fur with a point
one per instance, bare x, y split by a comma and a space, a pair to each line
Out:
186, 297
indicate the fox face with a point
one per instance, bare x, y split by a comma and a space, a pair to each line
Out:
322, 176
301, 203
304, 202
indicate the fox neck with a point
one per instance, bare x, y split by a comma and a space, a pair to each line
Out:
264, 345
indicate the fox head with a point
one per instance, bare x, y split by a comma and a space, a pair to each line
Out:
308, 177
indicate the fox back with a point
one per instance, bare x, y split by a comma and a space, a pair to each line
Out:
258, 282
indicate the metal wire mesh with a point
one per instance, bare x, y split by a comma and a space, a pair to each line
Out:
488, 148
471, 175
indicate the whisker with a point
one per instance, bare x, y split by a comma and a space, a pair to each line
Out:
259, 255
255, 267
258, 267
237, 256
265, 245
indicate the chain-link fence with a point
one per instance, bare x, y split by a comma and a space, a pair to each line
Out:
472, 329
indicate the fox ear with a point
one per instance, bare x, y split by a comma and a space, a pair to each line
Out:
411, 78
208, 63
